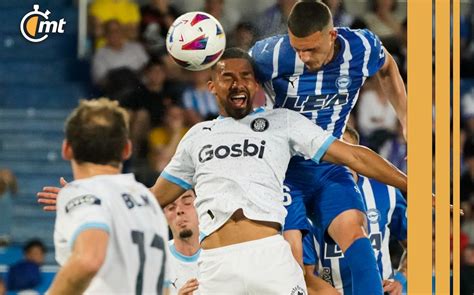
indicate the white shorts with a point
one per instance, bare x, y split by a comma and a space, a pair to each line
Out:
260, 267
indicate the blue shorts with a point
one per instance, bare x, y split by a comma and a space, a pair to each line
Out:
320, 192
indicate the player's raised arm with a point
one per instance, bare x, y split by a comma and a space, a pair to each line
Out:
166, 191
366, 162
388, 77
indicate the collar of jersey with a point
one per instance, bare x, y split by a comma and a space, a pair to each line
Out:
255, 111
185, 258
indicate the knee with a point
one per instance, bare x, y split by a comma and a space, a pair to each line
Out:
348, 227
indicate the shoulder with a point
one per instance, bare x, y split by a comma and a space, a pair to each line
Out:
79, 193
358, 34
263, 49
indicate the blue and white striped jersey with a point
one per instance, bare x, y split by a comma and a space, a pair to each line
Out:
327, 96
386, 217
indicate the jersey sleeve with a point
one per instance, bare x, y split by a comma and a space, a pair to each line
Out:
180, 169
306, 139
377, 53
398, 224
78, 210
263, 59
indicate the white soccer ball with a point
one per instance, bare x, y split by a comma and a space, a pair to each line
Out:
195, 40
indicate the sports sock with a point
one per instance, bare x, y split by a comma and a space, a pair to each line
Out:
365, 273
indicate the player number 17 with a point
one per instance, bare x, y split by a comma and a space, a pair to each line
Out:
138, 238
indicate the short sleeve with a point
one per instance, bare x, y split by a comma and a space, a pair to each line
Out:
398, 224
377, 53
306, 139
79, 210
262, 54
180, 169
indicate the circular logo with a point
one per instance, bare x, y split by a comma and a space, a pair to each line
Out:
298, 291
373, 215
259, 124
343, 82
35, 25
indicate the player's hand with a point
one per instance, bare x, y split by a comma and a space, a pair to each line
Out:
392, 287
48, 195
188, 288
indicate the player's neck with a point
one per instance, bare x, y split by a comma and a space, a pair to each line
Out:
187, 247
335, 51
86, 170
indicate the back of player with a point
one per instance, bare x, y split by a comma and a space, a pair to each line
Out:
138, 233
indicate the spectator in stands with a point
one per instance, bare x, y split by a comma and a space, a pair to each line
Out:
467, 178
395, 150
8, 188
198, 102
164, 139
244, 36
467, 110
382, 21
26, 273
119, 55
146, 106
227, 17
467, 271
157, 17
377, 121
126, 12
273, 20
467, 43
340, 17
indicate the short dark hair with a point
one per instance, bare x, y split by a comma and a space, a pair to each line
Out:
308, 17
353, 133
32, 244
97, 131
235, 52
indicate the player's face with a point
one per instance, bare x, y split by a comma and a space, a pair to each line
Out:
234, 85
182, 216
316, 49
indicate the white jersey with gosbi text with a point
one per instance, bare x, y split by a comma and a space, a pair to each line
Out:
137, 252
237, 164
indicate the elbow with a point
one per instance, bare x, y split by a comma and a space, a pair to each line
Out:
90, 265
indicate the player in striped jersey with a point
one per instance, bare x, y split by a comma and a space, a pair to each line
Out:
386, 217
318, 70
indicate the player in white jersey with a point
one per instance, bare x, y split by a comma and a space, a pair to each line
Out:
185, 248
236, 164
110, 233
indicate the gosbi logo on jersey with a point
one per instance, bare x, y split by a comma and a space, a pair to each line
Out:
247, 149
35, 25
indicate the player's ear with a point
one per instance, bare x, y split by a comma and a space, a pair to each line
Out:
333, 34
127, 150
211, 87
66, 151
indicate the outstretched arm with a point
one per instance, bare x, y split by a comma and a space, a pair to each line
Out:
366, 162
389, 79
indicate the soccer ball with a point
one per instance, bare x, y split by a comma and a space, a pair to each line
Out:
195, 40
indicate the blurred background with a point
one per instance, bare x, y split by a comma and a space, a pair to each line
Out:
116, 48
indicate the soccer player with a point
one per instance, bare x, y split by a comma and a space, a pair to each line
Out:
185, 248
386, 217
318, 70
236, 164
110, 232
